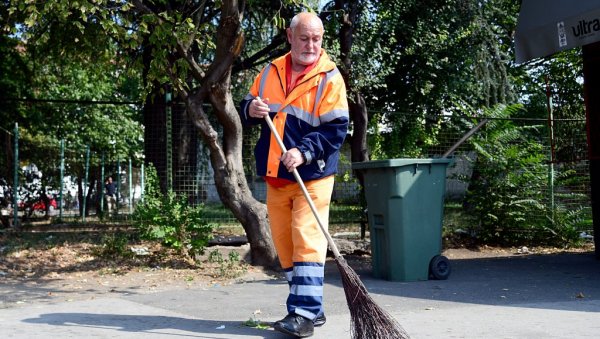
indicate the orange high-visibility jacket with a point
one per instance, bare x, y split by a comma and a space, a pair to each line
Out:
313, 117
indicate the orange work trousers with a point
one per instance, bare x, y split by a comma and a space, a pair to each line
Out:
296, 234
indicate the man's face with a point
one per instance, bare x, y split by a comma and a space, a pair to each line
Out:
306, 41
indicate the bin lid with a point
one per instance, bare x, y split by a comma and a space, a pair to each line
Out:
399, 162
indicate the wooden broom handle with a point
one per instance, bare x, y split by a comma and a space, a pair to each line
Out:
334, 248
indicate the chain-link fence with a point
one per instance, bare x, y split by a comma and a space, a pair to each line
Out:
32, 170
535, 168
527, 171
517, 172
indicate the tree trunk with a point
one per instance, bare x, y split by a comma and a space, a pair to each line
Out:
230, 180
357, 105
360, 120
226, 156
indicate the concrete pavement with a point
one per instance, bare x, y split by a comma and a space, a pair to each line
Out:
532, 296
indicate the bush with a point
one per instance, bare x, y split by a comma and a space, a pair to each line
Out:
113, 246
509, 190
171, 220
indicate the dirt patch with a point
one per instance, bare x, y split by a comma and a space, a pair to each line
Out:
65, 268
491, 251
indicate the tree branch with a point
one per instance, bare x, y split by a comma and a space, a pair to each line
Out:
268, 52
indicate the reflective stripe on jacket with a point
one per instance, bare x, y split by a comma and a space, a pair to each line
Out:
313, 117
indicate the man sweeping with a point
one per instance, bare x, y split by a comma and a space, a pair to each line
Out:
304, 94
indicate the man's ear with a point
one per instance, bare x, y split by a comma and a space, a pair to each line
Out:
289, 34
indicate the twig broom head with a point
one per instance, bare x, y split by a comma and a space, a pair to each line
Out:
367, 319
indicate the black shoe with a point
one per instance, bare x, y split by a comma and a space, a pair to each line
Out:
320, 320
295, 325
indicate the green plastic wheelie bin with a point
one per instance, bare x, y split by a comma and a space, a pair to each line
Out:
405, 206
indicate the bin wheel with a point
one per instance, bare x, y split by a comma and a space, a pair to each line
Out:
439, 268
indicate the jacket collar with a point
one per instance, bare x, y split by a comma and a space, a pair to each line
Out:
310, 79
323, 65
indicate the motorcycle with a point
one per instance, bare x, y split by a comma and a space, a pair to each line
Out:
38, 207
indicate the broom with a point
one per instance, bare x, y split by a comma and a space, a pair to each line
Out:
367, 319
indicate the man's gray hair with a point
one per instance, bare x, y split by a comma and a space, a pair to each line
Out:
296, 19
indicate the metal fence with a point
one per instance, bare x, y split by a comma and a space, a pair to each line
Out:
50, 181
183, 159
561, 169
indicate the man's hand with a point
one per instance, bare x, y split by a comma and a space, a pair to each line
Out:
292, 159
258, 108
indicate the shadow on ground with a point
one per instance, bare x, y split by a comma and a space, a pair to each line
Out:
502, 281
194, 328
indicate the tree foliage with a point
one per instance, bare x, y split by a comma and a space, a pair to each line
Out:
55, 88
420, 60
